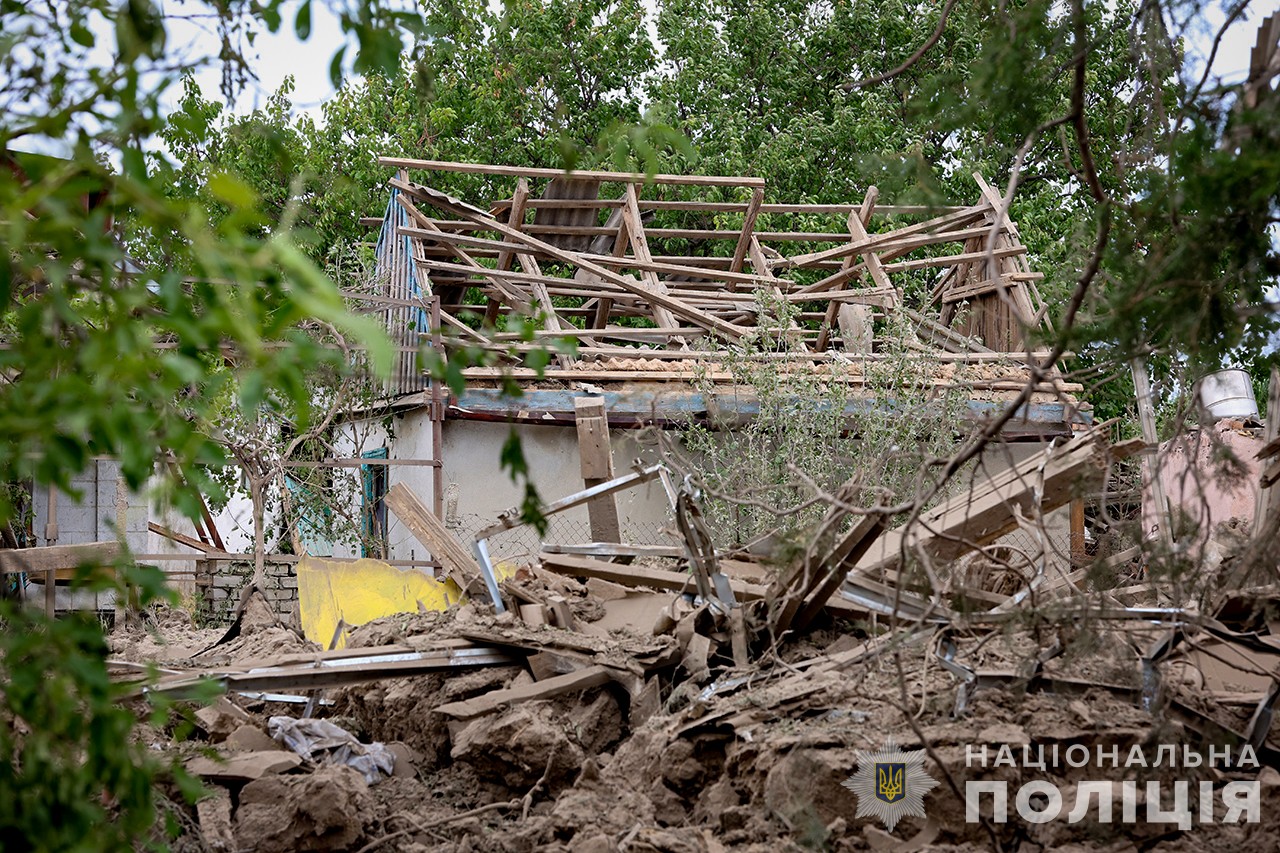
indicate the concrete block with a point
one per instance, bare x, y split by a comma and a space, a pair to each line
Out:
228, 581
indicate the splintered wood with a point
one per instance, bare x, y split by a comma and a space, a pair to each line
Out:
633, 265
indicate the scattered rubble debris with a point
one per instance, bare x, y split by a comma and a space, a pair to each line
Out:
633, 698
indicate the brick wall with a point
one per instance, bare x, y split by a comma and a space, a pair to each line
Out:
222, 583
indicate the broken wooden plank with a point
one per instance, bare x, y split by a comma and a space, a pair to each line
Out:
640, 576
572, 682
336, 669
57, 558
985, 512
857, 222
428, 530
180, 538
834, 569
596, 458
748, 226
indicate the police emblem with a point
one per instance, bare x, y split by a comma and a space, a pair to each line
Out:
890, 784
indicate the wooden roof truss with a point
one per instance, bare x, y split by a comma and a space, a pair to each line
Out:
642, 267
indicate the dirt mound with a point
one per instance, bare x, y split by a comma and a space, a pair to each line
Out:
329, 809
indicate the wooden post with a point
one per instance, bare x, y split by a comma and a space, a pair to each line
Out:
1079, 552
437, 412
597, 466
1155, 515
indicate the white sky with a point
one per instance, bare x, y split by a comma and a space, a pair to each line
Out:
278, 55
275, 56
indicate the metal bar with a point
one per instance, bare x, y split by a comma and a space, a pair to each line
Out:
511, 518
480, 547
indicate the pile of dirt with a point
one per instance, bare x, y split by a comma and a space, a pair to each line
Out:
328, 809
746, 759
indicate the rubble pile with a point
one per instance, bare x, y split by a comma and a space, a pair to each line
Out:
607, 697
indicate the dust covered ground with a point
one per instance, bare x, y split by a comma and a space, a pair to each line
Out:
756, 766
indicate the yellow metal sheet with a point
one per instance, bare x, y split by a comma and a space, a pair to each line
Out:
360, 591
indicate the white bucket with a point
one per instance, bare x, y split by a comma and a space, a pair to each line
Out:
1228, 394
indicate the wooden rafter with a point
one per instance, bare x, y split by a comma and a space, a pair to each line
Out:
610, 260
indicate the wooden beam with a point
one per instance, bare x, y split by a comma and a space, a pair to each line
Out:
428, 530
640, 248
835, 568
985, 512
52, 558
857, 233
722, 207
569, 174
516, 220
676, 306
947, 220
604, 305
597, 466
428, 228
180, 538
748, 226
640, 576
572, 682
758, 263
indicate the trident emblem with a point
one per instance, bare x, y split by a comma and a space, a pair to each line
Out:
890, 781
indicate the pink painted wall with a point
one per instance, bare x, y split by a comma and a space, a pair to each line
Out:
1197, 481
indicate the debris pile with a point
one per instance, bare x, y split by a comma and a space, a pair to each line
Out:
607, 696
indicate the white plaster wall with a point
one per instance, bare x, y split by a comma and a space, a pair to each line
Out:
477, 490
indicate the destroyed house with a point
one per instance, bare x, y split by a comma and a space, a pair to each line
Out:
655, 277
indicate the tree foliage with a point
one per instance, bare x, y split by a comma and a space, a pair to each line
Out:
174, 262
126, 311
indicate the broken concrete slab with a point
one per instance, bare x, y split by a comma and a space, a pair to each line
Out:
250, 738
243, 766
221, 718
213, 813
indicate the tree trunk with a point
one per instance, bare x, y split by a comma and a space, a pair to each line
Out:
259, 543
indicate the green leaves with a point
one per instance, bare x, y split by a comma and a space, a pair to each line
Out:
302, 23
511, 460
232, 191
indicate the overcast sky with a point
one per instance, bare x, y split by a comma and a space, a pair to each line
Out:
276, 56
